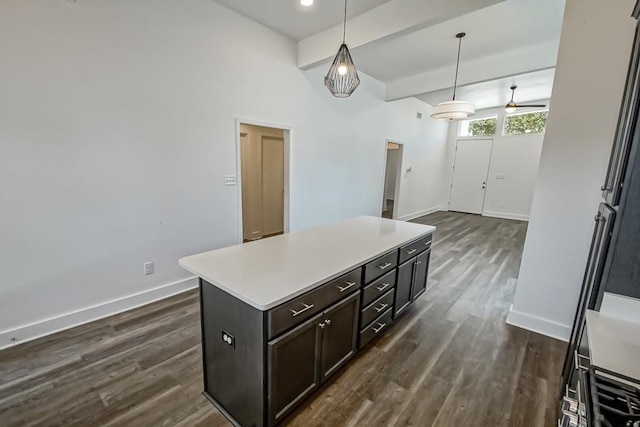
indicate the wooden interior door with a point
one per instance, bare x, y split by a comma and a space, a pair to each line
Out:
470, 171
272, 185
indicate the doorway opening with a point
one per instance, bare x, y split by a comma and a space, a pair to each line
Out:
263, 171
470, 173
391, 190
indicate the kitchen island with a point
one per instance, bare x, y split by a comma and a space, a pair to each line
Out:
280, 316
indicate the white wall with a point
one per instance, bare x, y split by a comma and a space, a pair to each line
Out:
592, 65
514, 157
117, 125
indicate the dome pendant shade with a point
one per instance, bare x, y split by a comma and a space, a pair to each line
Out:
452, 110
342, 78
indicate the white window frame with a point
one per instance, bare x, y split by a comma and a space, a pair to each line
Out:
507, 115
488, 116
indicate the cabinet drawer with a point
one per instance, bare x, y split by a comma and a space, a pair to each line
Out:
380, 266
375, 328
412, 249
303, 307
377, 307
379, 287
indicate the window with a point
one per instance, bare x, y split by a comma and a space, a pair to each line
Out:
485, 126
530, 123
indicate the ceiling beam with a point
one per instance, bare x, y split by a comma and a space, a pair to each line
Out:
392, 19
527, 59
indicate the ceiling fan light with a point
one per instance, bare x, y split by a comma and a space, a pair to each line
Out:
510, 107
452, 110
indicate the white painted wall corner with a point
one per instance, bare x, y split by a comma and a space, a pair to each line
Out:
539, 325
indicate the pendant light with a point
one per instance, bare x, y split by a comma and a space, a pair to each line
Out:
342, 78
454, 110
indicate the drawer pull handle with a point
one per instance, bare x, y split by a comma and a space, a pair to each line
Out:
380, 326
306, 307
383, 287
411, 251
427, 243
344, 288
387, 265
382, 307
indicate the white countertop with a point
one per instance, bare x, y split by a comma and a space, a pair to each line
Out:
268, 272
614, 344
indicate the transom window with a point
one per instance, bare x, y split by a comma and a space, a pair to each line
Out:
529, 123
484, 126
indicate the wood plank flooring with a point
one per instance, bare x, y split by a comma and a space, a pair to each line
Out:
450, 361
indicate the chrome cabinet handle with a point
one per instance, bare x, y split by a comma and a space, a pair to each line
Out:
427, 243
381, 325
328, 322
322, 325
418, 262
306, 307
605, 187
382, 267
344, 288
411, 251
383, 287
382, 307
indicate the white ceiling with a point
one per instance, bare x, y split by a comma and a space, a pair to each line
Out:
503, 27
507, 41
292, 19
533, 86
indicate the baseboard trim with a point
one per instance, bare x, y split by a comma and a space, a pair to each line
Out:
42, 328
421, 213
539, 325
503, 215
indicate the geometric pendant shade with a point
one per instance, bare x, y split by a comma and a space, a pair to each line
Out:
342, 78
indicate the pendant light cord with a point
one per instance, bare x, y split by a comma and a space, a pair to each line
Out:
455, 82
344, 26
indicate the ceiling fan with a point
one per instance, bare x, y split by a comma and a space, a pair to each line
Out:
512, 106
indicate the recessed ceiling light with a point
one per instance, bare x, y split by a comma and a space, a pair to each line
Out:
306, 2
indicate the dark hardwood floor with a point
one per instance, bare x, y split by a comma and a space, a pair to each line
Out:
450, 361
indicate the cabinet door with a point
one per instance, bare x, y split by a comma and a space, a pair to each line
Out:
339, 335
293, 367
421, 273
403, 287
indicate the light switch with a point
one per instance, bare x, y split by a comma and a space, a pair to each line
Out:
229, 180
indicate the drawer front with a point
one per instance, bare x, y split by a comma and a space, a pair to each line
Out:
378, 287
376, 308
412, 249
291, 313
380, 266
375, 328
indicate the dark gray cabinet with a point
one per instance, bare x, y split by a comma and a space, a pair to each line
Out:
306, 356
421, 273
412, 281
293, 362
339, 335
403, 287
259, 365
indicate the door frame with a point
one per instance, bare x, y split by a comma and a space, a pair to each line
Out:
453, 167
287, 131
396, 191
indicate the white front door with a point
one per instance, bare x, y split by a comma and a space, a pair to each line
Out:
470, 171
